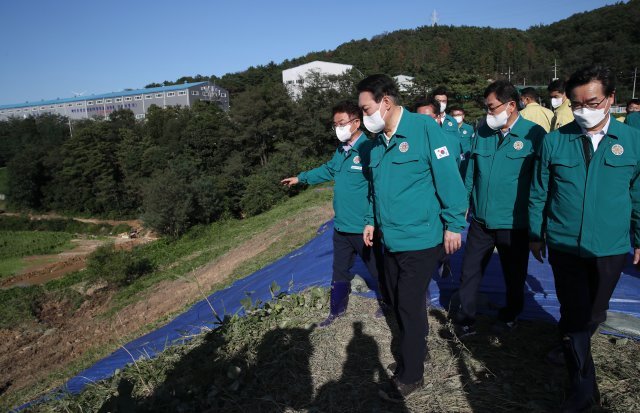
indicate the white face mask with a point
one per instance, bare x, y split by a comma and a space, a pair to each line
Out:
443, 106
375, 122
458, 119
555, 102
343, 132
588, 118
498, 121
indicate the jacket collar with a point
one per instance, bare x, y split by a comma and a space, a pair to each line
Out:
565, 104
407, 123
402, 130
615, 129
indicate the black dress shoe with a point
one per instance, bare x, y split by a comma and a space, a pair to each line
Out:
397, 392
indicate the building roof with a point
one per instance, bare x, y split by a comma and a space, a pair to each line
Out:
103, 96
316, 64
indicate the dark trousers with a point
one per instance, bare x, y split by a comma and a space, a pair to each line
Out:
513, 249
345, 247
407, 276
584, 287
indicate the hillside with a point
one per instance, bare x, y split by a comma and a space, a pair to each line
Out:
50, 333
606, 35
274, 361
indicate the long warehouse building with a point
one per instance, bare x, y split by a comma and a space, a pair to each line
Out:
138, 101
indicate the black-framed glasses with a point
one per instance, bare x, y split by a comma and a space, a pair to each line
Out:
334, 126
492, 110
576, 105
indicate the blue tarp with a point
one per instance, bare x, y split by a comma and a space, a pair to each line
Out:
311, 265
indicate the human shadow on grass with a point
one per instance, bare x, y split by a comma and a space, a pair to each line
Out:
219, 375
509, 371
273, 376
357, 390
506, 373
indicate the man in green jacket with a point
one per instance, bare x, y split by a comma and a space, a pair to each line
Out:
585, 198
467, 136
498, 180
430, 107
418, 200
633, 119
350, 204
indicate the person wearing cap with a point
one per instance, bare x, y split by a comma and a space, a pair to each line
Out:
562, 114
584, 201
350, 204
418, 201
498, 180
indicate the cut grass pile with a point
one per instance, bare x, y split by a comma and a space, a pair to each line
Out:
273, 360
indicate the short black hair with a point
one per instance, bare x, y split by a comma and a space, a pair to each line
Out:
633, 102
589, 73
440, 90
456, 108
504, 90
426, 101
348, 107
530, 93
556, 86
379, 86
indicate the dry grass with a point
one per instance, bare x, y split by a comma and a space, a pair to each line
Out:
274, 361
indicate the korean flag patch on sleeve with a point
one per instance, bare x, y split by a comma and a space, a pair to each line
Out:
442, 152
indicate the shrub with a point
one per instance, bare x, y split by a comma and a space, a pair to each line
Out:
119, 267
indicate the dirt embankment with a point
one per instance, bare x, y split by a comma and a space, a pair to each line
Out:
28, 356
50, 267
133, 223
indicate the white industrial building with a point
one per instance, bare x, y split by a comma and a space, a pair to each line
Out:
404, 82
138, 101
294, 79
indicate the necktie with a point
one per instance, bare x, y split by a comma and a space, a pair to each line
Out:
587, 149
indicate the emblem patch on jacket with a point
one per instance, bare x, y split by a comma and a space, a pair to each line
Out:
617, 149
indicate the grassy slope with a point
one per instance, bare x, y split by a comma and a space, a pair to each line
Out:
174, 260
273, 361
17, 244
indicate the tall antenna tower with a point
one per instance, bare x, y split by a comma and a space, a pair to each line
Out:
434, 18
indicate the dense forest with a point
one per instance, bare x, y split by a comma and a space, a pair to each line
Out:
185, 166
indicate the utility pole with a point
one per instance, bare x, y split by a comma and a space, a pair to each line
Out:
555, 70
635, 73
509, 72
